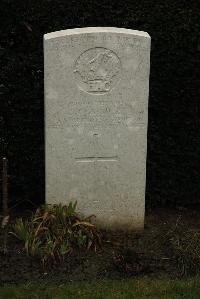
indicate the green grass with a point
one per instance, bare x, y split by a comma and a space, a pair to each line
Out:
142, 288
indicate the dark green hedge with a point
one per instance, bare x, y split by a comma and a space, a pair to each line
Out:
173, 170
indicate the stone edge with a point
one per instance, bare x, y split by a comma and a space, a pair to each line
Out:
85, 30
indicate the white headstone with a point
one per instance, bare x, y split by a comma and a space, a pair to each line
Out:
96, 109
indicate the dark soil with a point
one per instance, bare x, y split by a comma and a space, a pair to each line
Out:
122, 255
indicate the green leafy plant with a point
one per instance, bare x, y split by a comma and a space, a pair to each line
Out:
55, 231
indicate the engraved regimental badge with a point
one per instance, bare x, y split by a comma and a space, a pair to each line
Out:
97, 70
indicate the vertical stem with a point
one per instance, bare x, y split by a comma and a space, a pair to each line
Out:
5, 186
5, 203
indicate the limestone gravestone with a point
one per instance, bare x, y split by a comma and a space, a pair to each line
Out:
96, 109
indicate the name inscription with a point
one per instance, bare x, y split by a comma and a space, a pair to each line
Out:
99, 114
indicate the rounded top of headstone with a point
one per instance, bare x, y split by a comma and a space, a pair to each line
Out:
85, 30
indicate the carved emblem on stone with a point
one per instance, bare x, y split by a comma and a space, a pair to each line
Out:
97, 70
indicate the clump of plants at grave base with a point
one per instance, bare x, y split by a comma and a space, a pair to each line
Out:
185, 245
55, 231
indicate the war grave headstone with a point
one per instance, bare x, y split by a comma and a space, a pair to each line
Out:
96, 113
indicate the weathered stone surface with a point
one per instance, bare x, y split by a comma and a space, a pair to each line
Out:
96, 110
